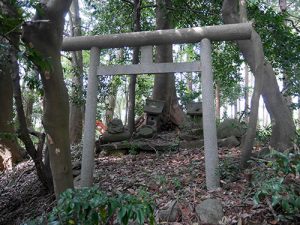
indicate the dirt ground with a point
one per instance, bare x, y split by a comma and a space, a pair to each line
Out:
169, 176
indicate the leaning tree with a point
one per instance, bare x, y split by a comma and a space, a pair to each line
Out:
44, 34
283, 127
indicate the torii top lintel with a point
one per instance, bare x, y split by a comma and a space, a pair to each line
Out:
229, 32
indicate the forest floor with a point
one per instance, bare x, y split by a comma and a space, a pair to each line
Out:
178, 175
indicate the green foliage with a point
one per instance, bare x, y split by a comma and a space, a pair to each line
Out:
143, 91
280, 41
185, 94
177, 183
161, 180
7, 136
196, 13
93, 207
263, 134
226, 66
279, 184
297, 138
229, 170
133, 149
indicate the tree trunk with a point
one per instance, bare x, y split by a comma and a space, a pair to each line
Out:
135, 60
218, 102
110, 111
282, 5
286, 79
235, 109
246, 109
76, 109
28, 101
43, 170
299, 110
164, 84
9, 148
126, 103
283, 128
46, 38
189, 79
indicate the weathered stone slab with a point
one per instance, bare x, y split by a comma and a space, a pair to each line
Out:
115, 126
146, 131
107, 137
229, 142
191, 144
230, 127
210, 211
141, 144
171, 213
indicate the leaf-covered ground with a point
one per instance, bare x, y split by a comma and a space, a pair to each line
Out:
169, 176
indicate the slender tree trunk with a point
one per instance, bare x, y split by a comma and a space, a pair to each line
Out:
76, 106
109, 114
299, 109
164, 84
135, 60
189, 79
244, 19
282, 5
218, 102
126, 103
246, 108
286, 80
9, 149
43, 170
283, 128
46, 38
29, 101
110, 111
235, 109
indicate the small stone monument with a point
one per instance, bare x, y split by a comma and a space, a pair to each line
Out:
115, 132
194, 110
193, 126
154, 109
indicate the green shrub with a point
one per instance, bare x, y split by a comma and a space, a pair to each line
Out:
229, 170
279, 185
263, 134
93, 207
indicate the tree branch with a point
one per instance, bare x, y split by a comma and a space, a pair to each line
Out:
293, 25
58, 6
127, 1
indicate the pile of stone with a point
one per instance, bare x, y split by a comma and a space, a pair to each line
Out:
115, 132
230, 133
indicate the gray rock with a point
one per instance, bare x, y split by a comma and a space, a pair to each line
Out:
229, 142
146, 131
188, 137
210, 211
116, 137
77, 181
230, 127
191, 144
115, 126
75, 173
171, 214
196, 131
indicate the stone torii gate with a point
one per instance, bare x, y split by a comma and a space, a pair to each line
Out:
146, 40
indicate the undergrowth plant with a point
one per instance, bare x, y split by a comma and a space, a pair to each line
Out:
90, 206
263, 134
279, 185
